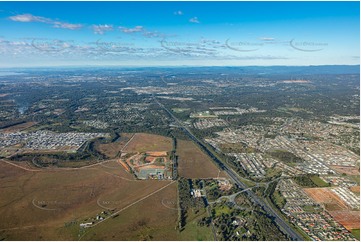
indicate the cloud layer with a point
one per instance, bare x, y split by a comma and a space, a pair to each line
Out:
102, 28
56, 24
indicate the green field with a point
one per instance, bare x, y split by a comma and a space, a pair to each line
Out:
319, 182
310, 209
222, 210
180, 110
356, 233
204, 114
192, 231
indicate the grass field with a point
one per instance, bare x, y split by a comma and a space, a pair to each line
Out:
356, 233
180, 110
319, 182
49, 204
193, 163
146, 220
204, 114
142, 142
222, 210
193, 231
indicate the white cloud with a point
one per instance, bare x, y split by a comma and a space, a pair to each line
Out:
179, 12
101, 29
29, 18
61, 25
194, 20
56, 24
136, 29
267, 38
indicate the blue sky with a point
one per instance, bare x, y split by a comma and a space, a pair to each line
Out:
179, 33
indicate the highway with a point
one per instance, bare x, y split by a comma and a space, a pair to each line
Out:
278, 220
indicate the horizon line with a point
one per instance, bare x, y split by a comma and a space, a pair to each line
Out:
165, 66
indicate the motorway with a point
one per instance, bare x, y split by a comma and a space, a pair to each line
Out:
278, 220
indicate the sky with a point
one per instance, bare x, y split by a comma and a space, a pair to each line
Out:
179, 33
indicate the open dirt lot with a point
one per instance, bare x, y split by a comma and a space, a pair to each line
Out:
142, 142
193, 163
349, 219
327, 197
355, 189
18, 127
336, 207
49, 204
347, 170
112, 149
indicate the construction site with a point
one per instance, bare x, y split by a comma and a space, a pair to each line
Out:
149, 165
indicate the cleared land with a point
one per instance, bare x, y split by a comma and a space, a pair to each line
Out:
355, 189
336, 207
349, 170
349, 219
326, 197
18, 127
49, 204
142, 142
112, 149
193, 163
149, 219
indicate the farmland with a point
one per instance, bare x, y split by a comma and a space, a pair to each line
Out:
66, 197
142, 142
147, 220
193, 163
63, 198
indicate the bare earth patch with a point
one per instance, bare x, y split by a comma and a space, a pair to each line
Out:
142, 142
193, 163
349, 219
349, 170
327, 197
